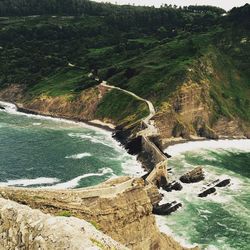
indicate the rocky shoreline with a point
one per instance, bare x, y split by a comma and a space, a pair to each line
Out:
133, 143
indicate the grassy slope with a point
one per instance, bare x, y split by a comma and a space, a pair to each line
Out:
150, 66
121, 107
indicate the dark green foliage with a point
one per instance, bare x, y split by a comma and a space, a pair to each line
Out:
149, 51
121, 107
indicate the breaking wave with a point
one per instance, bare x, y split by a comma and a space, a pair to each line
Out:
30, 182
78, 156
241, 144
74, 182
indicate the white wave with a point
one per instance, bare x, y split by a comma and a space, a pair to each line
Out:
162, 225
129, 163
8, 107
241, 144
36, 123
29, 182
132, 167
78, 156
93, 138
74, 182
12, 109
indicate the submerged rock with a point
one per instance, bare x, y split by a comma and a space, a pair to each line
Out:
173, 186
207, 192
193, 176
223, 183
166, 209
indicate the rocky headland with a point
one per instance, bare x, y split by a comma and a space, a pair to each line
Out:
121, 208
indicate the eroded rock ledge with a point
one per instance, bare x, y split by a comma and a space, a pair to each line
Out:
24, 228
120, 208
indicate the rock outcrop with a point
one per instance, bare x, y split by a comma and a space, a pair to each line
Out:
194, 175
207, 192
223, 183
166, 209
120, 208
24, 228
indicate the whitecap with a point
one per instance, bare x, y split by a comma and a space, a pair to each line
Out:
92, 138
78, 156
29, 182
241, 144
12, 109
74, 182
161, 223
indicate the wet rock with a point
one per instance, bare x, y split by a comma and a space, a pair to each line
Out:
2, 108
193, 176
173, 186
213, 183
167, 155
166, 209
144, 177
223, 183
207, 192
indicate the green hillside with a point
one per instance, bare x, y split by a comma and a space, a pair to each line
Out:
146, 50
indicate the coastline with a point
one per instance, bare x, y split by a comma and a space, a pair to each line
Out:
95, 123
222, 143
104, 127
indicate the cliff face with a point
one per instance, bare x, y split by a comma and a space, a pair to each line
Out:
24, 228
186, 113
205, 104
120, 208
80, 107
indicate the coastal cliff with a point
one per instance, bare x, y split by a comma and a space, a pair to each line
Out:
24, 228
120, 208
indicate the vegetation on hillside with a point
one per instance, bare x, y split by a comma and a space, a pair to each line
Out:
147, 50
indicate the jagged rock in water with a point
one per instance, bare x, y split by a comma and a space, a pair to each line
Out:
207, 192
195, 175
168, 155
214, 182
173, 186
166, 209
134, 146
223, 183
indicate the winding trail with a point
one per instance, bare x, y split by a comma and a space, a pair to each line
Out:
151, 129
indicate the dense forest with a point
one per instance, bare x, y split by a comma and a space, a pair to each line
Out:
143, 49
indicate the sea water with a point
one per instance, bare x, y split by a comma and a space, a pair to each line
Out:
220, 220
38, 151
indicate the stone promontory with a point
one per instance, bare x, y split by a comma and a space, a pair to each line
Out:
120, 208
24, 228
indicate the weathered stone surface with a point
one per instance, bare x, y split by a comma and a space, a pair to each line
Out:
207, 192
194, 175
166, 209
24, 228
223, 183
121, 208
173, 186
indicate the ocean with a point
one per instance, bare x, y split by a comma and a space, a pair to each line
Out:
38, 151
44, 152
220, 220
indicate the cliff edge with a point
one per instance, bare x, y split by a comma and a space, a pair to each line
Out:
120, 208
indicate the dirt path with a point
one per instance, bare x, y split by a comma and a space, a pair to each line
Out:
151, 128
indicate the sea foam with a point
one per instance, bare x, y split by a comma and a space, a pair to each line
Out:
74, 182
78, 156
241, 144
29, 182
